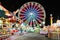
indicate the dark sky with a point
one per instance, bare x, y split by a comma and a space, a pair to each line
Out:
50, 6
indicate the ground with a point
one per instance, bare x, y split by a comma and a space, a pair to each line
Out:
32, 36
29, 36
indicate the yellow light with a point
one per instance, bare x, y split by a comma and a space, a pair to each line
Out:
51, 19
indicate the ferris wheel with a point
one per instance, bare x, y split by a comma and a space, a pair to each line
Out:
32, 13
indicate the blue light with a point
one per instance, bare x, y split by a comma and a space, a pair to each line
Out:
31, 14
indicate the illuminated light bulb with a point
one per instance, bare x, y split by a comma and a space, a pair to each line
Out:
31, 13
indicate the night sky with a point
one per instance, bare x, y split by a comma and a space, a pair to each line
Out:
50, 6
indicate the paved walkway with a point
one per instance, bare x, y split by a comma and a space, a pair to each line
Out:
13, 37
34, 36
28, 36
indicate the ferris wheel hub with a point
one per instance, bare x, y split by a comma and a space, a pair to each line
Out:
31, 13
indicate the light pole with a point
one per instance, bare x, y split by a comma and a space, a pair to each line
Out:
51, 19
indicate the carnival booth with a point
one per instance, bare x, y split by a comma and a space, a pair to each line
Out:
54, 30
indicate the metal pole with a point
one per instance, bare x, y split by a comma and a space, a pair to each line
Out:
58, 35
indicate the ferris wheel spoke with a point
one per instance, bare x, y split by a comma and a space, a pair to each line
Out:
40, 19
27, 5
24, 9
41, 16
33, 5
39, 9
22, 16
36, 7
30, 4
22, 12
28, 18
31, 23
41, 13
24, 19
